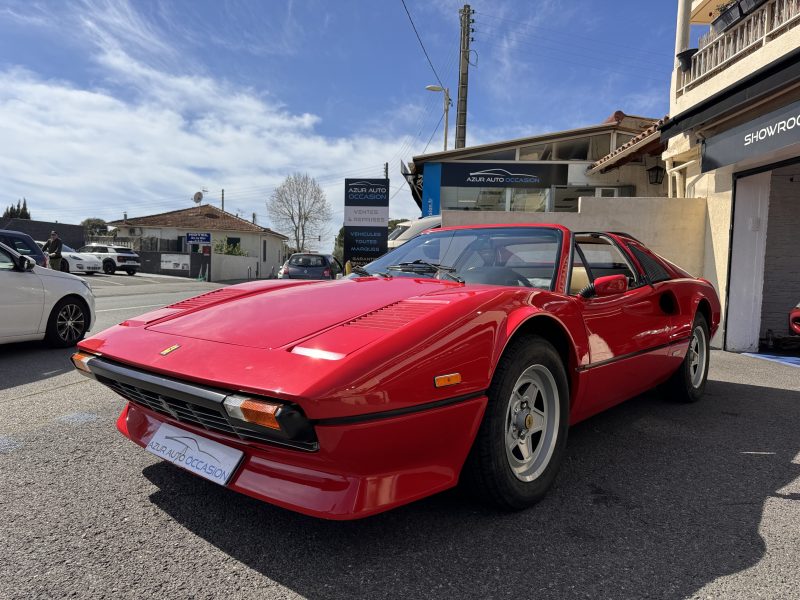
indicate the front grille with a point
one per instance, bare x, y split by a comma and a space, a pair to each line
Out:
185, 412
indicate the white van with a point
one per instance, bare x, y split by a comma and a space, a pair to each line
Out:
408, 229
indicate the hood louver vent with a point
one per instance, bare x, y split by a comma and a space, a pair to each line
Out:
208, 298
396, 315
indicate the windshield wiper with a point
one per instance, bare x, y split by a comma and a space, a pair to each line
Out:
421, 266
364, 273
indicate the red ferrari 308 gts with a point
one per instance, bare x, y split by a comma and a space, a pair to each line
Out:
463, 355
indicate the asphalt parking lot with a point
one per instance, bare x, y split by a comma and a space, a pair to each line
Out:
655, 500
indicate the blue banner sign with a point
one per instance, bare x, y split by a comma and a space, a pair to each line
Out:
198, 238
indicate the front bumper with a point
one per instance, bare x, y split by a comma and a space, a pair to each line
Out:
357, 467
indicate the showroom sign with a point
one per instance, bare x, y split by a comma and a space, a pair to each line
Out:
770, 132
366, 219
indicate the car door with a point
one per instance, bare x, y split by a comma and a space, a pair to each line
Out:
21, 299
628, 332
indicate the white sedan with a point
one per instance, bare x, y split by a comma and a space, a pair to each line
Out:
38, 303
72, 260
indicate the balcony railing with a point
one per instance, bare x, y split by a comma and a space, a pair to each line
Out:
718, 51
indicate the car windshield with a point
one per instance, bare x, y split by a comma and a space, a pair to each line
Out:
509, 256
398, 231
65, 248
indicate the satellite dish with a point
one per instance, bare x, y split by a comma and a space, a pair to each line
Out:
198, 197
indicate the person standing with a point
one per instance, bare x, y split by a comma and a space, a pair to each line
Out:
52, 248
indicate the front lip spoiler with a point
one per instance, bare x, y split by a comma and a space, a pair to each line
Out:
296, 431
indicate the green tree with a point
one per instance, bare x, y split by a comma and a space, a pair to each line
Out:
94, 226
20, 211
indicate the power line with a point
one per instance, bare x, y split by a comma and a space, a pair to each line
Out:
434, 132
422, 45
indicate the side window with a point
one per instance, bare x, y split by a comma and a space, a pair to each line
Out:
653, 269
604, 258
6, 264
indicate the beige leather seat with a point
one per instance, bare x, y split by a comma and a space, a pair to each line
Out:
579, 280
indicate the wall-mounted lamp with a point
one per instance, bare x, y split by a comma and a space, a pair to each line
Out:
656, 175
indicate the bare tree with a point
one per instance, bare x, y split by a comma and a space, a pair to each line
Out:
299, 208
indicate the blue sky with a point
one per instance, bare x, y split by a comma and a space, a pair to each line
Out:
111, 106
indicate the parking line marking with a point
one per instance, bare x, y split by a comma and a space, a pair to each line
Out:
103, 281
128, 307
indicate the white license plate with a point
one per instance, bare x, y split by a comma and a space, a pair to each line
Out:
207, 458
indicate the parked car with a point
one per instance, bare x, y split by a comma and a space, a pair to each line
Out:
464, 355
114, 258
408, 229
794, 320
304, 265
72, 260
24, 244
39, 303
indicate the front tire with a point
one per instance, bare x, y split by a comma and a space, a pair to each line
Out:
523, 435
68, 323
688, 383
64, 265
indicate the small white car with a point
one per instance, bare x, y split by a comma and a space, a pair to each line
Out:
38, 303
408, 229
114, 258
72, 261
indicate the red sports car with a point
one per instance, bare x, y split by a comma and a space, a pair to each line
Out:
794, 320
463, 355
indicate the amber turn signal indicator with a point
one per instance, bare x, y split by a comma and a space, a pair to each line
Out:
253, 411
445, 380
80, 360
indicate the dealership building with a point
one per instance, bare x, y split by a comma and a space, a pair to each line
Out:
715, 187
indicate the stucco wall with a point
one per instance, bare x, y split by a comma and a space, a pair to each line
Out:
672, 227
225, 267
781, 271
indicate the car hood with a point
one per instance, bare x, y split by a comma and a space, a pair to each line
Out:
276, 316
89, 258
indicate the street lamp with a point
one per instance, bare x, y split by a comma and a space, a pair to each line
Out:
438, 88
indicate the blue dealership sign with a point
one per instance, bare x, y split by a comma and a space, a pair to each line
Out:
198, 238
366, 219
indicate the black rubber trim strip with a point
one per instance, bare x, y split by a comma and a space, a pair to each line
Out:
387, 414
608, 361
187, 392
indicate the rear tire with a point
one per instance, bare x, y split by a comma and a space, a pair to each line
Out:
108, 267
68, 323
523, 435
131, 272
688, 383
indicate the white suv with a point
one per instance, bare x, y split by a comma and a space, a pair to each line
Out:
114, 258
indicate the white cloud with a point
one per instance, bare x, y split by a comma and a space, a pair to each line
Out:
150, 138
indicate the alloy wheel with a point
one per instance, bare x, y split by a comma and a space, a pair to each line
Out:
70, 323
532, 421
698, 348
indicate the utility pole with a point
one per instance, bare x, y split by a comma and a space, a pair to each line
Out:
386, 170
223, 199
463, 75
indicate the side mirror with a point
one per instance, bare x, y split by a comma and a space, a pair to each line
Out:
25, 263
610, 285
